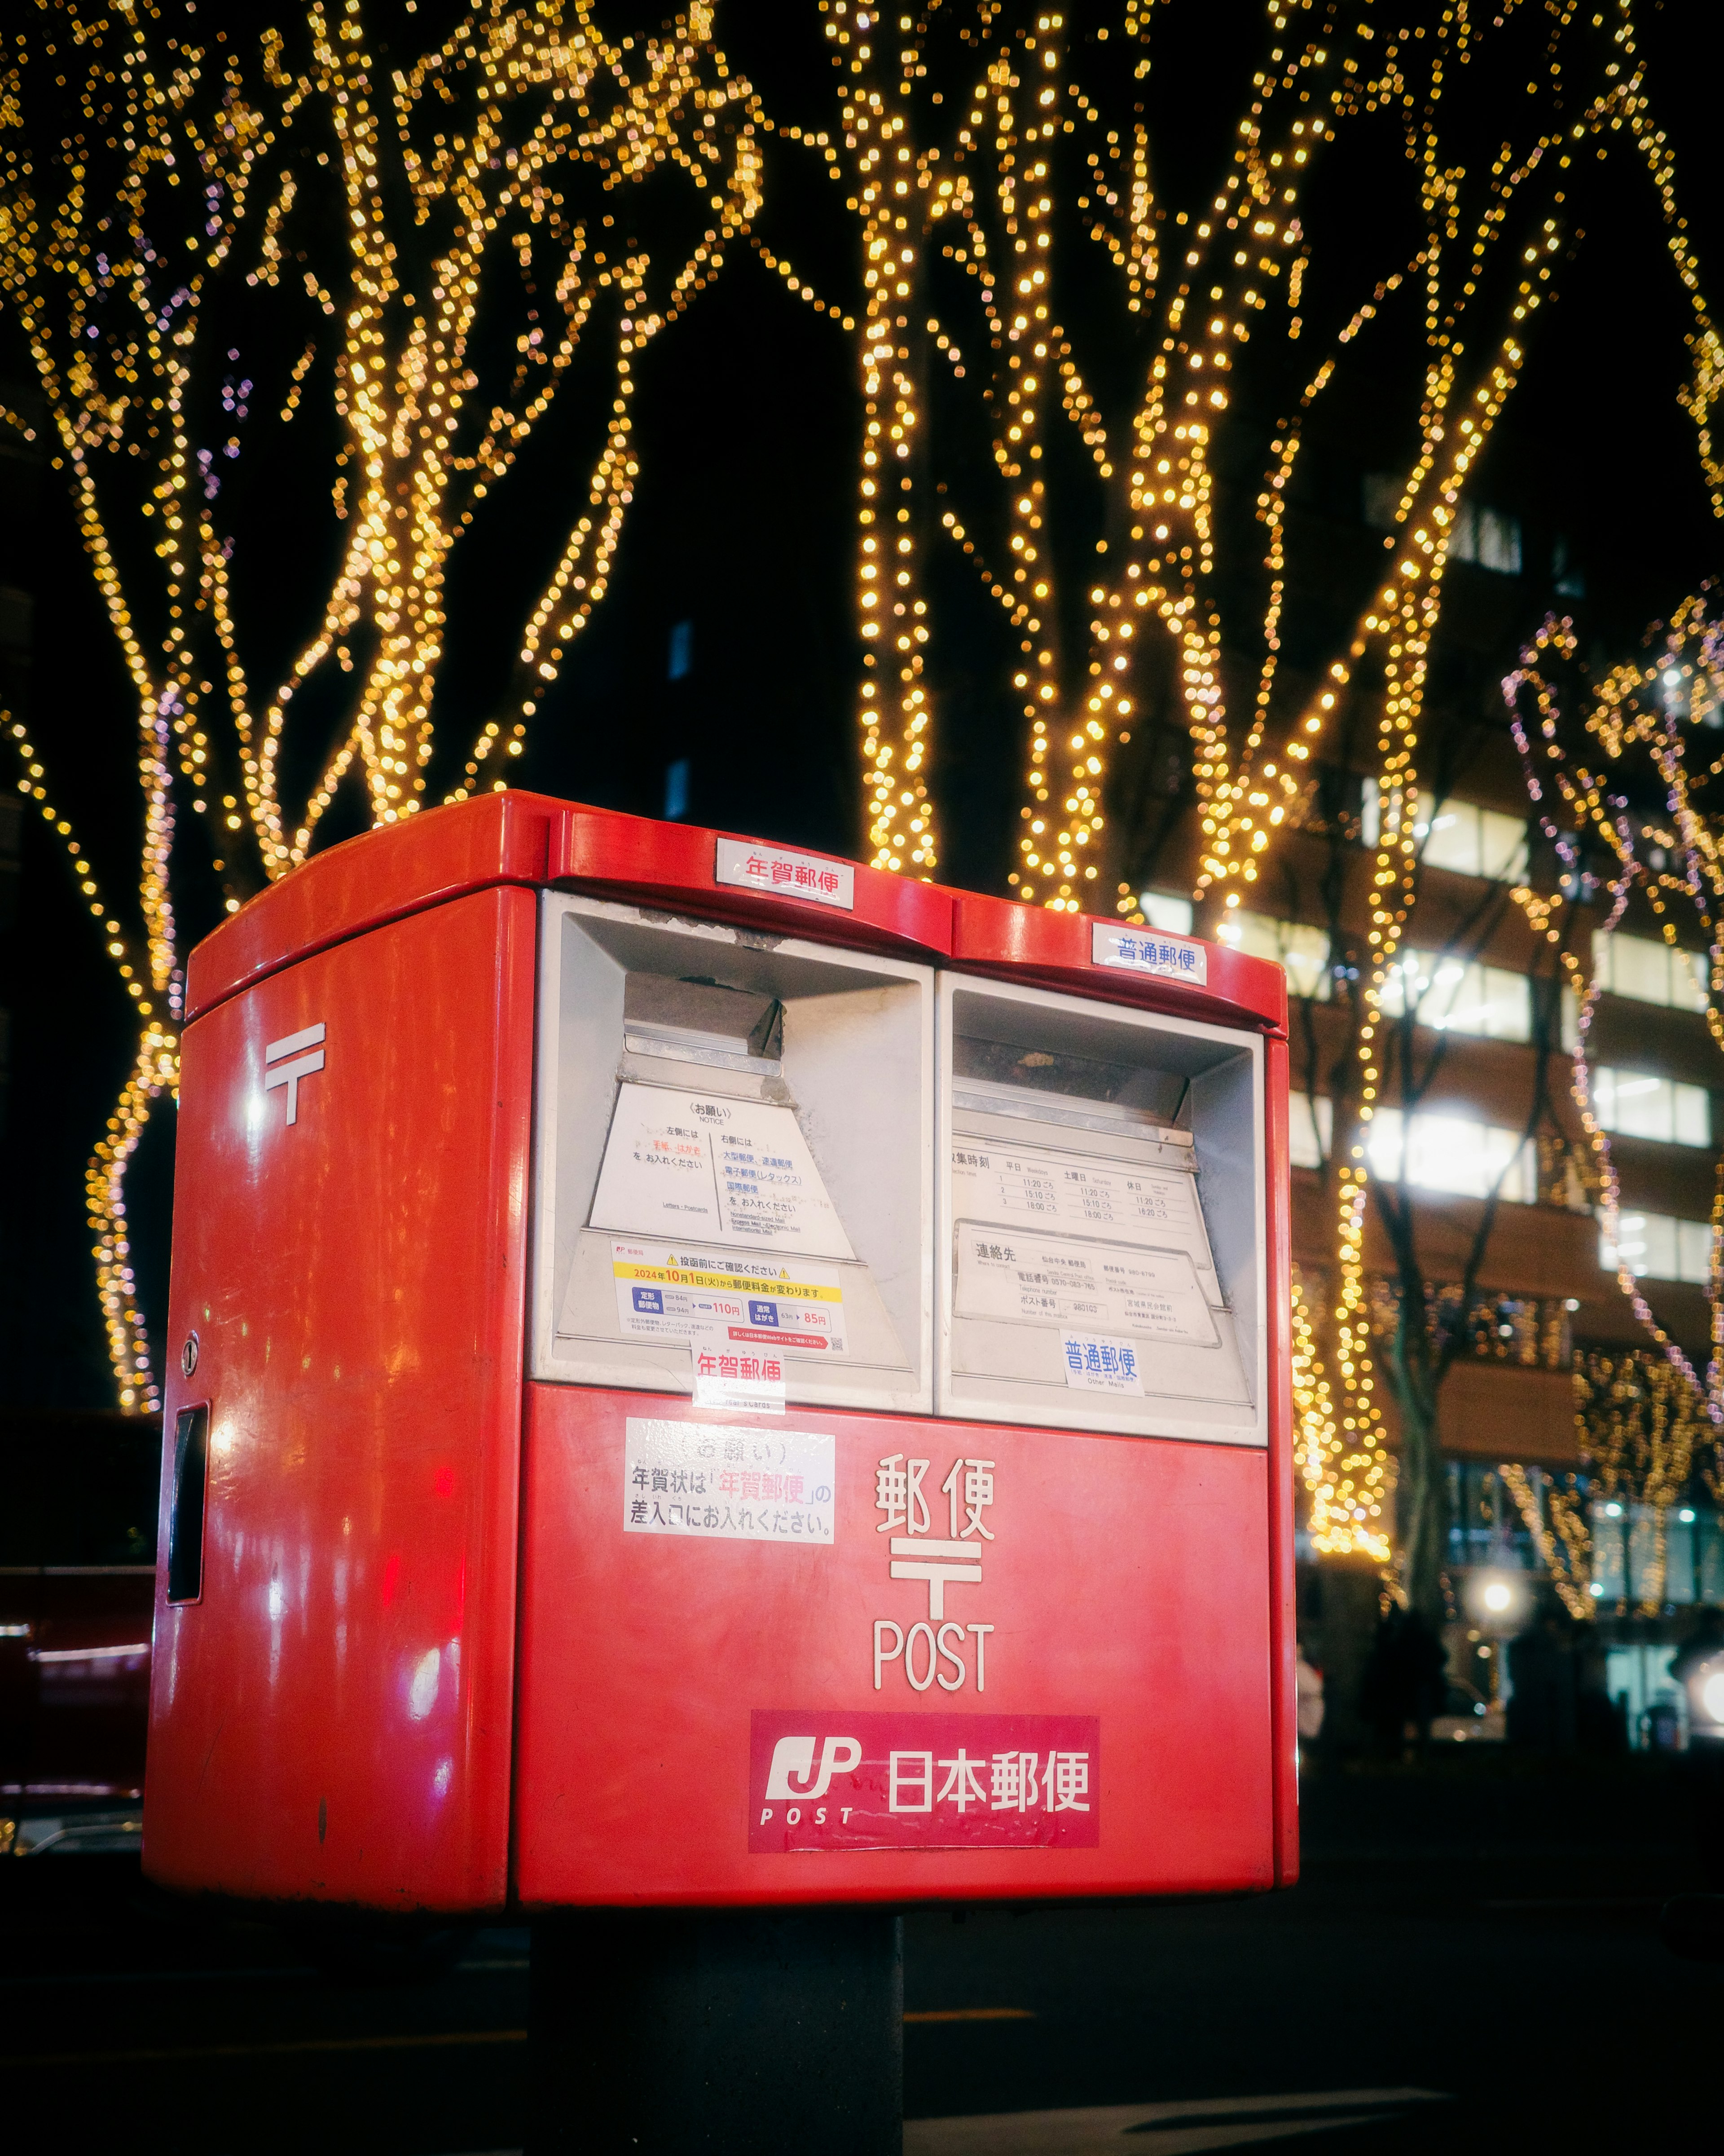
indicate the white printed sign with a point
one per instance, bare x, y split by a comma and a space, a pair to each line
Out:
703, 1480
781, 873
1095, 1363
734, 1170
662, 1291
1048, 1280
1147, 951
737, 1366
1026, 1186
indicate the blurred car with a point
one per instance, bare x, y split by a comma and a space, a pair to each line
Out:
77, 1598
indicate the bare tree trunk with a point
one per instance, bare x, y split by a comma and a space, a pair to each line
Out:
1423, 1491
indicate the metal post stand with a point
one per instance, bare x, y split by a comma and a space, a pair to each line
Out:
732, 2032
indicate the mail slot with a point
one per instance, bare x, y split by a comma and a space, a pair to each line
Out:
727, 1377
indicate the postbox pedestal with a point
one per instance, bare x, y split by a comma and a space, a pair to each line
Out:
734, 2032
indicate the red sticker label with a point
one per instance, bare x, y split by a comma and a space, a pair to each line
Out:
822, 1780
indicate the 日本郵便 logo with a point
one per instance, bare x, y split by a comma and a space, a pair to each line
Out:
793, 1772
836, 1779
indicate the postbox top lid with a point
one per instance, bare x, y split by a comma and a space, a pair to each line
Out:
1116, 962
532, 839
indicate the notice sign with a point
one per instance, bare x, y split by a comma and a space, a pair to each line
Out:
1147, 950
663, 1292
1048, 1280
737, 1366
713, 1166
701, 1479
821, 1780
1026, 1184
780, 873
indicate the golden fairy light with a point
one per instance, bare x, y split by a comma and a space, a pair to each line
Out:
890, 182
195, 166
1582, 743
1213, 283
981, 154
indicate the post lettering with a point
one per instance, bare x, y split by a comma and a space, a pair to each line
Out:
881, 1626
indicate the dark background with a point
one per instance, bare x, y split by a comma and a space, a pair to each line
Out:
742, 526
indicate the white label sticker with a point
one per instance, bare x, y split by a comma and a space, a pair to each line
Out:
701, 1479
1096, 1364
780, 873
1147, 950
692, 1163
737, 1366
1046, 1280
662, 1292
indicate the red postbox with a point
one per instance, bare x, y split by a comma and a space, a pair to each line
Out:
707, 1375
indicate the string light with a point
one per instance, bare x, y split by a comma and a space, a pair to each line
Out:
1346, 1485
1650, 713
198, 149
891, 182
539, 93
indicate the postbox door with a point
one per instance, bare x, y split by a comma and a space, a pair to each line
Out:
334, 1630
844, 1657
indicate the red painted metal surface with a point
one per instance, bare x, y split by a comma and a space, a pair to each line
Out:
674, 865
529, 839
332, 1719
1053, 950
1127, 1581
382, 876
1284, 1620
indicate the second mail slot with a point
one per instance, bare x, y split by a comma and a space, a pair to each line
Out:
1104, 1189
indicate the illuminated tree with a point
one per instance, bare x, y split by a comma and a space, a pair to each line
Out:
1627, 781
374, 269
212, 243
1030, 286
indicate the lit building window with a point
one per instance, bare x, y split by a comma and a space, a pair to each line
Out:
1166, 909
1639, 1106
1303, 952
1470, 841
1452, 1153
1487, 536
1456, 995
1310, 1125
1458, 835
1651, 972
1653, 1246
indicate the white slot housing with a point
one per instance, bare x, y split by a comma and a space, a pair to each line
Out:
1101, 1210
727, 1114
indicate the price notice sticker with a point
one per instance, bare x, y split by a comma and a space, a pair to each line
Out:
663, 1292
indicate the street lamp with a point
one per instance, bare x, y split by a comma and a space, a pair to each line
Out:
1496, 1598
1705, 1699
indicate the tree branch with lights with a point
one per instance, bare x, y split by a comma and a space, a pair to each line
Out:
409, 254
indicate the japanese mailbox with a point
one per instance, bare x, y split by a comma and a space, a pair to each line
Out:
705, 1374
